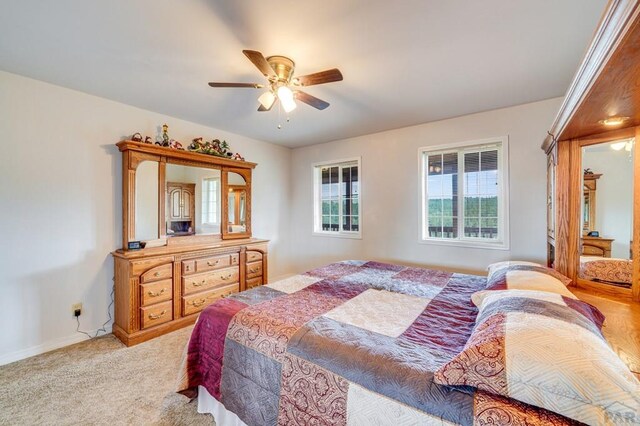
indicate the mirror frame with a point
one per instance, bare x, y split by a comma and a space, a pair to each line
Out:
574, 208
224, 216
134, 153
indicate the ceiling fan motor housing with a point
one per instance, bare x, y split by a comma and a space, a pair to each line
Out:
283, 67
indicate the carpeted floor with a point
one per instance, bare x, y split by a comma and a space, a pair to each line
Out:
100, 382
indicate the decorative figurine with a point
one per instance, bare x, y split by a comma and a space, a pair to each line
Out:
175, 144
588, 171
148, 140
165, 136
215, 147
136, 137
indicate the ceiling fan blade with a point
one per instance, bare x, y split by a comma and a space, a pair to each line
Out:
260, 62
249, 85
321, 77
311, 100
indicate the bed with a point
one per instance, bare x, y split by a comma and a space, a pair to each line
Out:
353, 343
606, 269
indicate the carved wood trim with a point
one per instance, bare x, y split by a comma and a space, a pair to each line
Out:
176, 154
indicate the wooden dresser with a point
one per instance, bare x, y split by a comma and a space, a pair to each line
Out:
162, 289
596, 246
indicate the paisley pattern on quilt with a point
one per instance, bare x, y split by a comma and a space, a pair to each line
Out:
351, 343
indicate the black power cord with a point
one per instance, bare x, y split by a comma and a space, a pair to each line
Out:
101, 329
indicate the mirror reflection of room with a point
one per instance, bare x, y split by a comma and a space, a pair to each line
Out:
607, 213
237, 203
192, 200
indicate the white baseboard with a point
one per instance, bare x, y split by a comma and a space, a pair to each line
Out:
47, 346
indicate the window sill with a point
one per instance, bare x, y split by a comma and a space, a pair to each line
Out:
466, 244
357, 236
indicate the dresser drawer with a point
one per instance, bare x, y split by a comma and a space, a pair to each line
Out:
254, 269
158, 273
140, 266
216, 262
197, 302
188, 267
200, 282
156, 314
253, 256
254, 282
156, 292
591, 250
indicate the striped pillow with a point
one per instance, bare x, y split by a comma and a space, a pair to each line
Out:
546, 350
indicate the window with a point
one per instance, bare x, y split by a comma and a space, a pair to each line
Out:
210, 195
464, 195
337, 199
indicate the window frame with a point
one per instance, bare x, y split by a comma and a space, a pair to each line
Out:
460, 148
317, 198
218, 201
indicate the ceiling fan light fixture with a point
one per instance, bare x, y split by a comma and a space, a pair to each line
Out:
286, 98
627, 145
267, 99
618, 146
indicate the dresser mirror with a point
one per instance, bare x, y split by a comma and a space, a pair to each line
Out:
607, 213
237, 193
237, 198
179, 197
146, 202
192, 200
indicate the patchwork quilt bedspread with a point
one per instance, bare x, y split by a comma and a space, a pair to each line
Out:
350, 343
606, 269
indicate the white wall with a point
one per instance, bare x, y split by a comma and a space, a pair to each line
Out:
391, 191
61, 206
614, 196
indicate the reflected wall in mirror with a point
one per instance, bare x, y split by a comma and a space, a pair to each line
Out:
607, 213
237, 201
146, 205
192, 200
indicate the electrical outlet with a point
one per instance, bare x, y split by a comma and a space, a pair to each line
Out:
76, 309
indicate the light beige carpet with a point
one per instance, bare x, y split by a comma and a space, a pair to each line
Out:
100, 382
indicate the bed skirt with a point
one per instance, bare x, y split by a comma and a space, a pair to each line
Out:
210, 405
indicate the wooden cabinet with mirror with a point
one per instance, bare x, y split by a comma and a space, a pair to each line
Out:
193, 211
594, 227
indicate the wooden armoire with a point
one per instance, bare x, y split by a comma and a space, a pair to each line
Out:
602, 105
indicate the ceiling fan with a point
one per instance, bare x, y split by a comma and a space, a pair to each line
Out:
282, 85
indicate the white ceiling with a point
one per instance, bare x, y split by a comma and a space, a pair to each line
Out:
404, 62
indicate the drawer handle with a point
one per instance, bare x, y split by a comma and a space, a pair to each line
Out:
152, 294
197, 303
156, 274
226, 295
155, 317
200, 284
187, 268
222, 277
209, 263
253, 271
